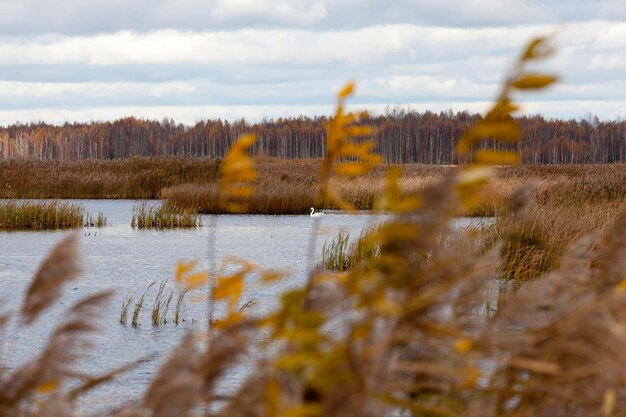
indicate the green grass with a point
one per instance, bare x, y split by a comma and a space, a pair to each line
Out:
146, 216
27, 215
336, 254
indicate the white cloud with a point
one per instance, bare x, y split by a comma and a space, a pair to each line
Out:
293, 70
298, 12
92, 89
249, 47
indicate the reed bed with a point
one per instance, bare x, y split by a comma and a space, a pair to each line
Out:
146, 216
336, 253
132, 178
40, 215
289, 187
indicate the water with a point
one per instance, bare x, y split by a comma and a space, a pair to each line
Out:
126, 260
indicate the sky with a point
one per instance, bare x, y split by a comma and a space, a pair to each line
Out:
190, 60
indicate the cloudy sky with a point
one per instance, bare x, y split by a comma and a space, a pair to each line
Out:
77, 60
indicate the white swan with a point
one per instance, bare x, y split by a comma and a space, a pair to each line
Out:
314, 214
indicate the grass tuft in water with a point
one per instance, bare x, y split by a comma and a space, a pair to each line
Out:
160, 306
40, 215
336, 253
146, 216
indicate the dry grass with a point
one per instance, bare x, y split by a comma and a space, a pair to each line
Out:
564, 203
408, 330
146, 216
134, 178
37, 215
417, 342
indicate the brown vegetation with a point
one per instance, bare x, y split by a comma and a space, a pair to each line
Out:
44, 215
146, 216
409, 330
129, 178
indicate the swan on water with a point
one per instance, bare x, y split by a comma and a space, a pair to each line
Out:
314, 214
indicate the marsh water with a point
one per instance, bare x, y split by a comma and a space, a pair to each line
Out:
128, 261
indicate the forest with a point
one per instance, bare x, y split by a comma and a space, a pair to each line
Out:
402, 136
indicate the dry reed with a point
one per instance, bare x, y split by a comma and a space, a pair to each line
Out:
405, 331
146, 216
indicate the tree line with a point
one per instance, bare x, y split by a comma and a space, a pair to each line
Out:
401, 137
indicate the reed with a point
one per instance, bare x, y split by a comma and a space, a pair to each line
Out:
124, 310
166, 306
99, 221
146, 216
409, 331
40, 215
335, 253
534, 240
180, 299
157, 315
139, 306
132, 178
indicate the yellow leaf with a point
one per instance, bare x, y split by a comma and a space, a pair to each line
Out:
463, 345
340, 277
294, 362
537, 48
229, 287
182, 268
239, 192
386, 307
231, 319
533, 81
245, 141
347, 90
197, 280
391, 198
271, 276
352, 169
238, 175
501, 110
236, 207
359, 130
47, 387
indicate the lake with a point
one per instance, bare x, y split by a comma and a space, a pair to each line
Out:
126, 260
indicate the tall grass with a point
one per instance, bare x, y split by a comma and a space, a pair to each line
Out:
146, 216
335, 253
124, 310
40, 215
99, 220
133, 178
159, 314
138, 307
